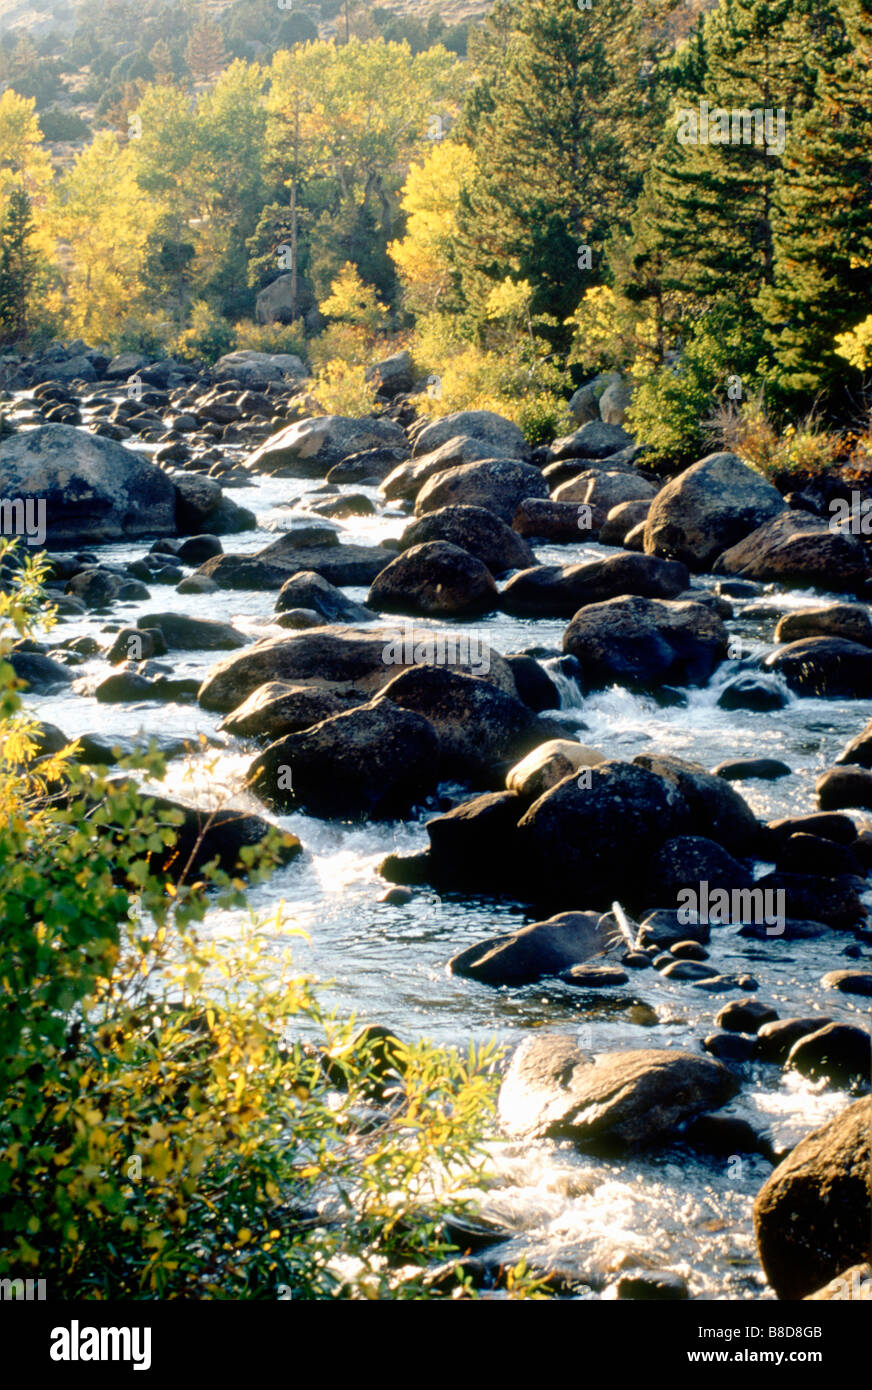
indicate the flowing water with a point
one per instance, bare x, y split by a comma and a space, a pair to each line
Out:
590, 1218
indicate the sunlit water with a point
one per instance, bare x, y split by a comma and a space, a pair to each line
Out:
589, 1218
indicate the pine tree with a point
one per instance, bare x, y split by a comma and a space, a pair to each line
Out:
562, 123
205, 55
712, 202
822, 225
17, 266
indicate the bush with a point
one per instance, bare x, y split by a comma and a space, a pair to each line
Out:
666, 413
165, 1129
271, 337
341, 388
530, 394
208, 334
57, 124
804, 448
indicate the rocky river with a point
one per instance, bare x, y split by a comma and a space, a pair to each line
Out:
613, 637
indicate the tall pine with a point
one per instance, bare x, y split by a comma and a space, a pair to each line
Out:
822, 226
562, 120
17, 266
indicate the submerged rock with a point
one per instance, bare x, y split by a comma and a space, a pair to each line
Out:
541, 949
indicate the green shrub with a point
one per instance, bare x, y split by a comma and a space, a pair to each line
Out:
172, 1122
207, 335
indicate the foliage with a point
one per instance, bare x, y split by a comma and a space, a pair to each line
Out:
341, 388
165, 1129
806, 448
351, 301
208, 335
856, 345
271, 337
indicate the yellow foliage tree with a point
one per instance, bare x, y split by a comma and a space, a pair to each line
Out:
23, 161
430, 199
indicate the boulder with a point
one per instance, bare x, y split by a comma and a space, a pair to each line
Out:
370, 466
750, 769
593, 842
561, 523
621, 519
594, 440
858, 752
84, 489
277, 708
561, 590
203, 836
707, 508
689, 860
847, 620
813, 1215
479, 726
392, 375
603, 489
311, 591
473, 846
615, 402
271, 567
584, 403
538, 950
373, 761
715, 810
475, 530
796, 548
277, 304
752, 692
646, 642
549, 764
824, 666
345, 658
185, 634
845, 786
503, 438
838, 1053
41, 674
775, 1039
849, 982
405, 481
498, 485
435, 578
614, 1102
745, 1016
310, 448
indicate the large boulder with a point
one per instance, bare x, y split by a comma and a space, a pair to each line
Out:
348, 660
480, 727
707, 508
375, 760
276, 303
503, 438
644, 642
824, 666
475, 530
310, 448
621, 520
257, 369
473, 846
275, 564
615, 401
715, 810
548, 764
277, 708
434, 579
592, 841
813, 1215
584, 403
393, 374
797, 548
616, 1101
41, 674
498, 485
538, 950
560, 590
84, 489
405, 481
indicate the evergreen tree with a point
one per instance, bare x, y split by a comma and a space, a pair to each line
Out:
563, 121
822, 225
17, 266
709, 198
